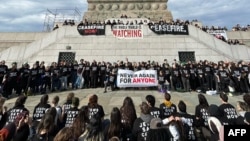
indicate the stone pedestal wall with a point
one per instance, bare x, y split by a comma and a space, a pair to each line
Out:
104, 9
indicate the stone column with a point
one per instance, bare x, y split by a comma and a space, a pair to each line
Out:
100, 10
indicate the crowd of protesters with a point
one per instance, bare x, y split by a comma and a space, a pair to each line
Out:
167, 122
161, 21
238, 27
173, 22
202, 75
69, 22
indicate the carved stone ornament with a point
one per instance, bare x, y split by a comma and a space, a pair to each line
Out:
139, 6
115, 7
91, 7
100, 7
107, 6
147, 6
155, 6
123, 6
131, 6
163, 6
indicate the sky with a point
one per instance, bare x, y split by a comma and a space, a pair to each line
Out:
30, 15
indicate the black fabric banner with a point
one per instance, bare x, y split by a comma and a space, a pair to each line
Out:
91, 29
169, 29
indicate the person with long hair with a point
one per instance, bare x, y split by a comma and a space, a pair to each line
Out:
19, 107
188, 120
46, 129
41, 108
94, 107
128, 116
201, 114
67, 104
22, 122
246, 99
142, 123
115, 127
3, 112
58, 120
52, 111
80, 123
71, 114
94, 130
242, 108
65, 134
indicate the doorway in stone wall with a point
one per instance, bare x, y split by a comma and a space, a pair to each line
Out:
185, 56
69, 57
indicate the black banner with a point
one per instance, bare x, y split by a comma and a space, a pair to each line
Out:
91, 29
169, 29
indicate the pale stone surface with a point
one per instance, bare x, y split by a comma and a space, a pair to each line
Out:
103, 9
109, 48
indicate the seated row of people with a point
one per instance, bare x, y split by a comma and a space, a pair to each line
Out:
69, 122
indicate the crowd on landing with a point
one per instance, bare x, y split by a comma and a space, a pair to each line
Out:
167, 122
203, 75
121, 21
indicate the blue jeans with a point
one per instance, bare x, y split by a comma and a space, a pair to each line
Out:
79, 81
64, 82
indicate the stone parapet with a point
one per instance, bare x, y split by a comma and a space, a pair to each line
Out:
100, 10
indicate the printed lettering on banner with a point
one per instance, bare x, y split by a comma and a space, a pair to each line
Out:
128, 31
91, 29
169, 29
142, 78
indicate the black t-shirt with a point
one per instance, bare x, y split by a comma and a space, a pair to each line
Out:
70, 116
229, 114
98, 109
66, 106
22, 133
240, 120
161, 79
167, 111
189, 122
13, 112
140, 129
3, 70
39, 111
155, 112
202, 114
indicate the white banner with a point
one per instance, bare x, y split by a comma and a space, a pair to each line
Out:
218, 33
128, 31
142, 78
